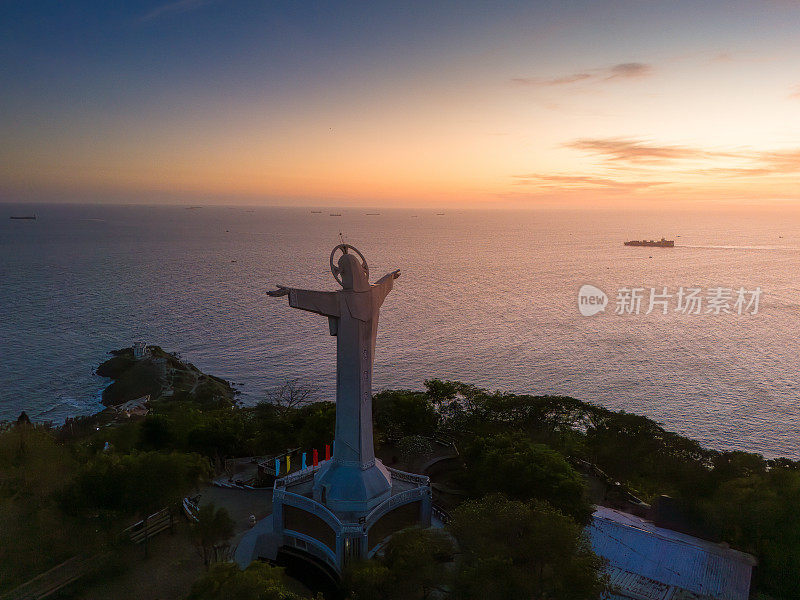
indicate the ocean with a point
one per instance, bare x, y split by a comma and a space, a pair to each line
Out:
485, 297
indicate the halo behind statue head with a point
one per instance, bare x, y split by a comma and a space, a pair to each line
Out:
334, 264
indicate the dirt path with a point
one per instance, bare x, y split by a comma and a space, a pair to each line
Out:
240, 504
167, 573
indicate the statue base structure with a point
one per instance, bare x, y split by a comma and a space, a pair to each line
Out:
353, 520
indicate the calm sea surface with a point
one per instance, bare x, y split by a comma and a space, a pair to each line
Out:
485, 297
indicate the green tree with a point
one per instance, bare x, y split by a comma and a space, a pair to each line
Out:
416, 559
514, 550
217, 437
514, 465
213, 528
138, 483
157, 433
259, 581
733, 465
35, 535
401, 413
368, 580
758, 514
439, 390
291, 395
413, 446
412, 568
141, 482
636, 450
316, 424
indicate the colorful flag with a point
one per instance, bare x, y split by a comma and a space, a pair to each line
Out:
304, 465
327, 452
315, 457
288, 463
277, 466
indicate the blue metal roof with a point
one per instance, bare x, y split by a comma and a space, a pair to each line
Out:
651, 563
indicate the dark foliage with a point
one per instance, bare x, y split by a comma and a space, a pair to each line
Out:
516, 466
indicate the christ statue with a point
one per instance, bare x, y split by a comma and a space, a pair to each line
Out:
353, 481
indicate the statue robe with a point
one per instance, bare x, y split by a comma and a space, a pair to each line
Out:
353, 318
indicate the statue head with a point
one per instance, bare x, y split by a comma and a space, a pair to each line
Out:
354, 276
351, 270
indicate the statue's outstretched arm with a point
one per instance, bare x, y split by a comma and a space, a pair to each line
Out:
383, 286
389, 276
322, 303
281, 291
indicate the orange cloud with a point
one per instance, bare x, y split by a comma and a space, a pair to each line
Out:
584, 182
621, 149
782, 162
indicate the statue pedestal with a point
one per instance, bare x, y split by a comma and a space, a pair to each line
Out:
332, 536
350, 488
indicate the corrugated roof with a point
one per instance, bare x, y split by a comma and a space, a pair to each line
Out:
651, 563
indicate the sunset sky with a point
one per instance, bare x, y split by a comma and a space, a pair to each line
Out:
563, 103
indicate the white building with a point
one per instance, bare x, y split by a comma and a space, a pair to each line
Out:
646, 562
139, 350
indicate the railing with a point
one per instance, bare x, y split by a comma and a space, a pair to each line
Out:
190, 509
297, 476
393, 502
593, 469
446, 440
55, 579
150, 526
441, 514
268, 463
310, 506
308, 473
314, 546
421, 480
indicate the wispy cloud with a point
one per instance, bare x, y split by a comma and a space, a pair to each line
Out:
628, 150
787, 161
734, 171
172, 8
630, 70
631, 154
583, 182
629, 167
722, 57
556, 81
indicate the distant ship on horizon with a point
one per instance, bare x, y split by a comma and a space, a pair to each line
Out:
662, 243
25, 217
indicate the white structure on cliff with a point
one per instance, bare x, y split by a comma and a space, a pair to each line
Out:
139, 350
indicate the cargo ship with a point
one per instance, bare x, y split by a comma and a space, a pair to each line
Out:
662, 243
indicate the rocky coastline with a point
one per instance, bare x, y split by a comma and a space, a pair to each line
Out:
161, 376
